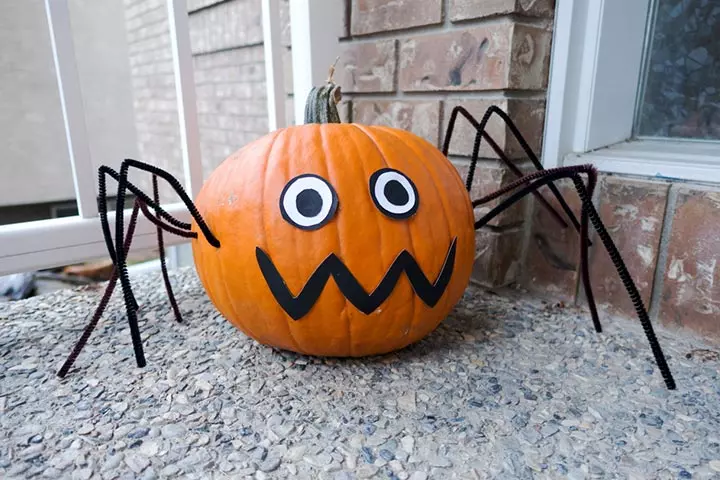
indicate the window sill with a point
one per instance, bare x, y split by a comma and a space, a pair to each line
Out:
675, 160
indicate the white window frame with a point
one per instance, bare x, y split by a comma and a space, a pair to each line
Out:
41, 244
596, 63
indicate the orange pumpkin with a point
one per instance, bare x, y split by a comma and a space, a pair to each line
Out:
336, 239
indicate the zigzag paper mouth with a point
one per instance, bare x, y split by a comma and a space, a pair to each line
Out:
298, 306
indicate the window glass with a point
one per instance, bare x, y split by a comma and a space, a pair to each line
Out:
680, 88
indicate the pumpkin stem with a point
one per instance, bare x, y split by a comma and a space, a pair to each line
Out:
332, 70
321, 104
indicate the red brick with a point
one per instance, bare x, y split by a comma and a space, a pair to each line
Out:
633, 212
499, 56
470, 9
489, 177
497, 257
370, 16
529, 60
420, 117
367, 67
691, 293
553, 252
528, 115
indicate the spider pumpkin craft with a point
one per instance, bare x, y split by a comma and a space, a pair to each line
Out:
378, 210
337, 239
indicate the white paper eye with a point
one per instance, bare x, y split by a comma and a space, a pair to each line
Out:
308, 202
394, 194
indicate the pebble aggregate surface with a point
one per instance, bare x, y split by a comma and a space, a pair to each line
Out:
507, 387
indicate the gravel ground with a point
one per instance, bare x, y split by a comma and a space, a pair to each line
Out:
505, 388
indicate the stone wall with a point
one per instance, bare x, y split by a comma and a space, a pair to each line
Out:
407, 63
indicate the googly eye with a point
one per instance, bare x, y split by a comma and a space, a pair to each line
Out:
394, 194
308, 202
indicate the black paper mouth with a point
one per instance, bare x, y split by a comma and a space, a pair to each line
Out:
298, 306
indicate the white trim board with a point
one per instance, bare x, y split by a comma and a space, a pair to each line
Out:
664, 160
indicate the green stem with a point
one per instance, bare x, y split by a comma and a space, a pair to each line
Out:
321, 104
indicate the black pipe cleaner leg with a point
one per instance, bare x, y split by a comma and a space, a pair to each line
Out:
139, 205
584, 234
102, 213
157, 221
543, 178
122, 270
105, 171
121, 258
584, 253
494, 109
161, 251
628, 282
480, 128
178, 188
103, 302
119, 247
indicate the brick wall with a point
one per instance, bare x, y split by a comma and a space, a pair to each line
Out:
226, 41
407, 63
667, 232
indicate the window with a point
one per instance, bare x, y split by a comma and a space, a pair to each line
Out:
679, 92
633, 88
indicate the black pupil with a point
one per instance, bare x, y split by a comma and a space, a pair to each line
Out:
309, 203
396, 193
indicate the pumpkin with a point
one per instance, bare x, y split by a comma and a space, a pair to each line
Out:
336, 239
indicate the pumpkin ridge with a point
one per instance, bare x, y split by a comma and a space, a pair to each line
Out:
413, 310
459, 181
223, 283
270, 156
327, 164
365, 177
441, 193
417, 153
370, 234
455, 221
230, 303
